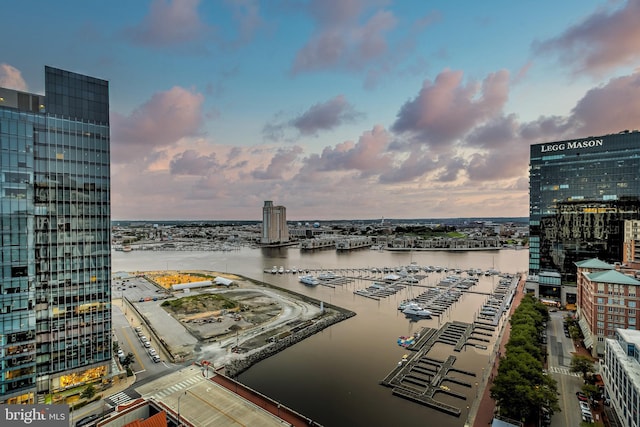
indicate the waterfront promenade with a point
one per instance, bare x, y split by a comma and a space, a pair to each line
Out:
485, 405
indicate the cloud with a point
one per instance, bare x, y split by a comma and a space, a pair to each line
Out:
610, 108
246, 13
190, 162
368, 156
323, 116
446, 109
604, 40
170, 23
282, 162
11, 78
340, 40
160, 122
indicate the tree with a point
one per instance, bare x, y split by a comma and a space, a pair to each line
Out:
583, 365
88, 392
127, 360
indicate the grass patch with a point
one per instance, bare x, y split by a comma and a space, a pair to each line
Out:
199, 303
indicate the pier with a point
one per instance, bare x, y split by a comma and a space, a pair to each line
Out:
420, 378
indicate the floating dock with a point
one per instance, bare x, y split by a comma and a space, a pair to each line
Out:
420, 378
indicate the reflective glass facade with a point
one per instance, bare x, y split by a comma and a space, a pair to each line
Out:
580, 193
55, 224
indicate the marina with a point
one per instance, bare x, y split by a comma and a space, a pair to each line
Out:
420, 377
339, 389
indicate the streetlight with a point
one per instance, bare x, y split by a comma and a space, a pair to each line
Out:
180, 397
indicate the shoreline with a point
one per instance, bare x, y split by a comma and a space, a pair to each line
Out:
235, 363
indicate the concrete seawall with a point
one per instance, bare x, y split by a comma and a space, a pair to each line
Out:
236, 367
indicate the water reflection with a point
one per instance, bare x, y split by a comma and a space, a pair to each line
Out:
333, 377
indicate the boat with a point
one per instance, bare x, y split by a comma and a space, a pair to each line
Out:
281, 270
417, 312
404, 304
414, 309
406, 341
309, 280
127, 248
327, 276
274, 270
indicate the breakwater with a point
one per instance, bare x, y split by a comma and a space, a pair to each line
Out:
237, 366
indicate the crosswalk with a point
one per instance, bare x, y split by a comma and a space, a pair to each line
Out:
177, 387
564, 371
121, 398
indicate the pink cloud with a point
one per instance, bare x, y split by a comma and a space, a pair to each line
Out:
610, 108
340, 40
11, 78
282, 162
170, 23
447, 109
323, 116
604, 40
368, 156
160, 122
190, 162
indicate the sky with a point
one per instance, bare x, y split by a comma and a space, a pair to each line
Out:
335, 109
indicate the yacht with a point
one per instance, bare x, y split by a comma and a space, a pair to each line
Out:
413, 309
309, 280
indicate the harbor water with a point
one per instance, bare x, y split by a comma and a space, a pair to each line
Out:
334, 377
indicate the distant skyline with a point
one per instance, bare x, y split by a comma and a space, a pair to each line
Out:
334, 109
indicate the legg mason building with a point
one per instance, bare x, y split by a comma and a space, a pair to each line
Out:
55, 263
581, 192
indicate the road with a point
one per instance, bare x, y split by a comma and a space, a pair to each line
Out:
560, 350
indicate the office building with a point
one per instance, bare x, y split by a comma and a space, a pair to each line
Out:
274, 224
55, 320
607, 300
581, 192
621, 376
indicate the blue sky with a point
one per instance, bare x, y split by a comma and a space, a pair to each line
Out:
335, 109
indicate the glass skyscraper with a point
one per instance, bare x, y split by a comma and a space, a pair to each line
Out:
581, 191
55, 268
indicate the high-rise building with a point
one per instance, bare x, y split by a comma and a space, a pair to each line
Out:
581, 192
55, 298
274, 224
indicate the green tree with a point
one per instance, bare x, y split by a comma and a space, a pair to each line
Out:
583, 365
127, 360
88, 392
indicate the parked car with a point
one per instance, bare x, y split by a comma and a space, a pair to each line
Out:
147, 344
581, 396
152, 352
155, 358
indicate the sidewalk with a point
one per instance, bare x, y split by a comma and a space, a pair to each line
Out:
99, 405
487, 405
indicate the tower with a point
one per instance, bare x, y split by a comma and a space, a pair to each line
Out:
55, 321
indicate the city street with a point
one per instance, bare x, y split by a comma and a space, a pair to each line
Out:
560, 349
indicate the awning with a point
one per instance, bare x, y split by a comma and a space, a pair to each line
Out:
584, 327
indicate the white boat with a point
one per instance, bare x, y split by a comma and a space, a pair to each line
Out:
406, 303
281, 270
274, 270
327, 276
416, 311
309, 280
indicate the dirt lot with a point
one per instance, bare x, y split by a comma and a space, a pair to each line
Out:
208, 316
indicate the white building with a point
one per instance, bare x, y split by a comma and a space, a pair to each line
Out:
621, 375
274, 224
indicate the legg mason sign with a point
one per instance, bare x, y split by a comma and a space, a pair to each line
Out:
571, 145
